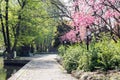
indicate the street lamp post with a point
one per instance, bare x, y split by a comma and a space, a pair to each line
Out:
88, 34
65, 45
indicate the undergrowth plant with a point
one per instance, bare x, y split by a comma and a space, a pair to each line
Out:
102, 55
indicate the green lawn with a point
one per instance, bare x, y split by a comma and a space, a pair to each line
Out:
1, 62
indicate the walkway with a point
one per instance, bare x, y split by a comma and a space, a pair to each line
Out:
42, 67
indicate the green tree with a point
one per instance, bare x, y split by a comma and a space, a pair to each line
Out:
26, 21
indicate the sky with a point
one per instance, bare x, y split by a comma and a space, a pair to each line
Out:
65, 2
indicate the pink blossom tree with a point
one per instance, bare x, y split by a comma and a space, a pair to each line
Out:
96, 14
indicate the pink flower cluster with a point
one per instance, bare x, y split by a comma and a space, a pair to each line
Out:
81, 19
70, 36
111, 14
86, 16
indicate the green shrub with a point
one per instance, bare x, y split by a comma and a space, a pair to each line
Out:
102, 55
61, 50
71, 58
108, 55
84, 61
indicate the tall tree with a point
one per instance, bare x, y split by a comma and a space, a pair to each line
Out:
6, 25
22, 23
98, 15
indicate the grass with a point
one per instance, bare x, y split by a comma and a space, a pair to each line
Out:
1, 62
2, 74
2, 71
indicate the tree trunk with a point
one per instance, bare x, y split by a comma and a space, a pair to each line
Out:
8, 49
3, 31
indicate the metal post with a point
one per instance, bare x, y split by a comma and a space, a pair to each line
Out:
87, 42
87, 32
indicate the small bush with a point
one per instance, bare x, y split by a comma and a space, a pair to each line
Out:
108, 55
71, 58
102, 55
61, 50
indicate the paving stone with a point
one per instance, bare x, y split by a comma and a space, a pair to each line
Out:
42, 67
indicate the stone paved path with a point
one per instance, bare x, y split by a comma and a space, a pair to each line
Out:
42, 67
